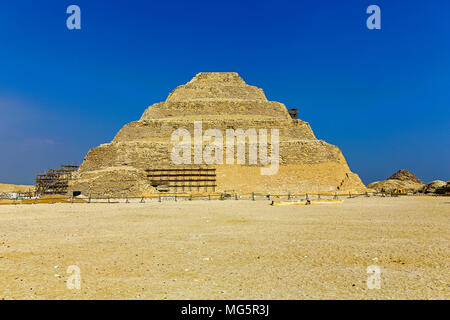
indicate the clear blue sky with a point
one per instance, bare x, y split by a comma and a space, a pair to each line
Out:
382, 96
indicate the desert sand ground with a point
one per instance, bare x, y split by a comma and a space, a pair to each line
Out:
227, 250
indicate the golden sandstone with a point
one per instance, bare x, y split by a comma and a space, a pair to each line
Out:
220, 101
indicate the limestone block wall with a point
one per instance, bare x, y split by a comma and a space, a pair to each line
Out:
223, 108
143, 155
216, 86
161, 130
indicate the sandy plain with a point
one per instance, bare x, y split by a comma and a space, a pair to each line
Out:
227, 249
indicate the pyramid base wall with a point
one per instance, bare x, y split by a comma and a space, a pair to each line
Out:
307, 178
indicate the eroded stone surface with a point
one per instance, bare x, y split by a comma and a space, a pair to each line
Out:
221, 101
402, 179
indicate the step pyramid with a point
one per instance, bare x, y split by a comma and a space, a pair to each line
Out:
139, 160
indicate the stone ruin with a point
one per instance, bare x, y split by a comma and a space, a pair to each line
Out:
138, 161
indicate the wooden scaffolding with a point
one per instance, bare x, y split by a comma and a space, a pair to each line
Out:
54, 181
183, 180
